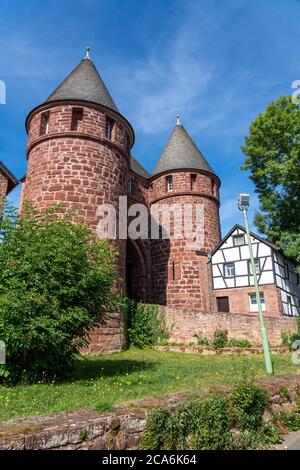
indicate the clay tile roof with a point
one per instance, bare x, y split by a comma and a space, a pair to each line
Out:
84, 83
180, 152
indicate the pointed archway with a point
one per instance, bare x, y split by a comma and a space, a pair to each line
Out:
136, 275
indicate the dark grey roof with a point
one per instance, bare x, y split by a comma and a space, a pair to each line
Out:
84, 83
137, 168
180, 153
12, 180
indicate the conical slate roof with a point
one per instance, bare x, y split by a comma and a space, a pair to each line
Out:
84, 83
180, 152
137, 168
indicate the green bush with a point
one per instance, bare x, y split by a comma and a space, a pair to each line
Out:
146, 325
291, 420
211, 423
249, 401
288, 337
195, 425
240, 343
202, 340
220, 339
55, 284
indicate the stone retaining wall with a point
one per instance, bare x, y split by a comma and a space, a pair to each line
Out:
184, 324
209, 351
85, 429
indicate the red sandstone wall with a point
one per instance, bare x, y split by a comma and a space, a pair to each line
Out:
239, 299
80, 168
186, 323
3, 190
140, 248
190, 286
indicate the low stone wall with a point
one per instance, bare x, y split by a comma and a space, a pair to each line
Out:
184, 324
209, 351
84, 429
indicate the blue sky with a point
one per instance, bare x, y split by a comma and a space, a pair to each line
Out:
217, 63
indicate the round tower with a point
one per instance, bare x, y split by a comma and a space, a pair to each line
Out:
184, 196
78, 148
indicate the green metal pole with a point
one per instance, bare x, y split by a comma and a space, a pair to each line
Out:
264, 334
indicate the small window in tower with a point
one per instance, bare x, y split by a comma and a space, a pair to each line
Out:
109, 124
169, 183
129, 185
173, 271
77, 115
44, 129
212, 186
193, 182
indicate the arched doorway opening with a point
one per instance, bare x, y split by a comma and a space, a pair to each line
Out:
136, 276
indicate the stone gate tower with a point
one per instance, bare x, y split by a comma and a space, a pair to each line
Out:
184, 184
78, 148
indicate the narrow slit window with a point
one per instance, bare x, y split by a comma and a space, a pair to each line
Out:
173, 271
193, 182
212, 186
169, 183
109, 124
44, 129
77, 115
129, 185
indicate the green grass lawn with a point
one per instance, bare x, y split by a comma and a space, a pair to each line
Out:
101, 382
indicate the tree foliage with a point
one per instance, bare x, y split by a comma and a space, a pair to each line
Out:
272, 150
55, 284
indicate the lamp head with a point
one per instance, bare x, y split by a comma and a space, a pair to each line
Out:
244, 201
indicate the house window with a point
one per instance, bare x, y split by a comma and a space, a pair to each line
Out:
109, 124
253, 302
193, 182
129, 186
286, 271
289, 305
44, 129
257, 266
169, 183
223, 304
239, 240
229, 270
77, 115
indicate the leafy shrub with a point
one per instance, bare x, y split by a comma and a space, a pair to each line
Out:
240, 343
288, 337
291, 420
55, 284
249, 401
146, 325
208, 423
202, 340
194, 425
220, 339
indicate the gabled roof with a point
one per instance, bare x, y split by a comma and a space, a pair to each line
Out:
274, 247
12, 180
181, 152
137, 168
84, 83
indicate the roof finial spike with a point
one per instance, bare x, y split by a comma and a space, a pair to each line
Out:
88, 50
178, 123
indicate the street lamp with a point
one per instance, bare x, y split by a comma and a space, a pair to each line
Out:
243, 204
